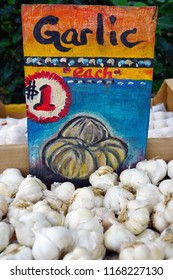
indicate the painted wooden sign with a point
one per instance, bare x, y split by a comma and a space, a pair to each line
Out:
88, 80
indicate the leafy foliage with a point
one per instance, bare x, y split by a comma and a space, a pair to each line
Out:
11, 48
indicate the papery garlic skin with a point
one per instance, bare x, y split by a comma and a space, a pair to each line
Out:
166, 241
3, 206
150, 194
116, 199
12, 177
166, 187
31, 189
170, 168
142, 251
26, 224
64, 191
168, 213
82, 198
15, 251
134, 177
158, 219
116, 236
55, 240
104, 177
106, 216
5, 234
83, 218
19, 209
148, 235
92, 241
79, 253
156, 169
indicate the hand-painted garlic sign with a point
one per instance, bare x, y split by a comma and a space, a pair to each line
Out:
88, 80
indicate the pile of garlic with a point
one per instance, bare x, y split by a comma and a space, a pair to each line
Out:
13, 131
125, 216
160, 122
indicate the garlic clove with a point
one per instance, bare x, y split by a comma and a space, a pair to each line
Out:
158, 219
106, 216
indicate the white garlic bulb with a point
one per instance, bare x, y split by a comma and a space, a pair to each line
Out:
16, 135
15, 251
142, 251
78, 253
134, 177
31, 189
169, 209
156, 169
170, 168
83, 218
104, 177
166, 241
3, 207
116, 199
26, 224
166, 187
64, 191
116, 236
158, 219
12, 177
92, 241
19, 209
136, 220
150, 194
5, 234
82, 198
148, 235
51, 242
106, 216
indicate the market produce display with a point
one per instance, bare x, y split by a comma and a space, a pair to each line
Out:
125, 216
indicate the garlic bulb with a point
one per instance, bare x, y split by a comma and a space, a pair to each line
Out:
11, 177
104, 177
51, 242
158, 219
19, 209
170, 168
136, 220
92, 241
26, 224
83, 218
54, 217
166, 241
134, 177
148, 235
169, 209
156, 169
15, 251
150, 194
31, 189
116, 199
64, 191
106, 216
82, 198
166, 187
5, 234
116, 236
15, 135
79, 253
139, 250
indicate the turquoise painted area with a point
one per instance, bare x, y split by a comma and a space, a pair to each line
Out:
122, 106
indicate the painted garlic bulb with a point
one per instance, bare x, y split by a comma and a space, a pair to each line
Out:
104, 177
64, 191
51, 242
31, 189
156, 169
134, 177
90, 240
170, 168
15, 251
54, 217
83, 218
116, 199
78, 253
139, 250
6, 231
136, 220
116, 236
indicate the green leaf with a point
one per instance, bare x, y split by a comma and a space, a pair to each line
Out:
165, 22
119, 2
4, 43
140, 4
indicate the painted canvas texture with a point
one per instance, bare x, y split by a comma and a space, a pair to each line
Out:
88, 81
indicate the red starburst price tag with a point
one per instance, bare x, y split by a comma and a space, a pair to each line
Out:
48, 97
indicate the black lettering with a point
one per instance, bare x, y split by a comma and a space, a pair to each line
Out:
125, 41
100, 30
83, 36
